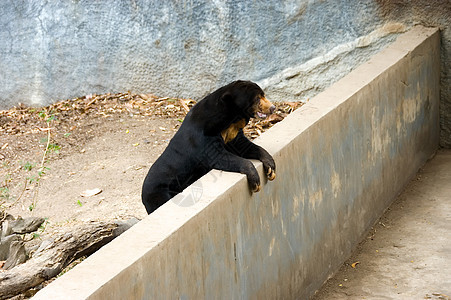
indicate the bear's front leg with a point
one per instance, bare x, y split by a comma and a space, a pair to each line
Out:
229, 162
242, 147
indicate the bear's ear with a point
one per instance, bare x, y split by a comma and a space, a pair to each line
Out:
226, 98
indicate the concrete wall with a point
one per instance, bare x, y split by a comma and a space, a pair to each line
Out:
341, 159
432, 13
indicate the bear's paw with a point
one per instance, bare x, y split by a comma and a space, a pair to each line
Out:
271, 174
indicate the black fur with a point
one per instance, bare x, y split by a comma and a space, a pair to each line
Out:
198, 147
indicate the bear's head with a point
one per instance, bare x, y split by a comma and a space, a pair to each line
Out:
247, 99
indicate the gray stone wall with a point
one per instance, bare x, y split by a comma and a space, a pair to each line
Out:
53, 50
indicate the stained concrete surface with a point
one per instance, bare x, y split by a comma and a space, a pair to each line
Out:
407, 254
341, 159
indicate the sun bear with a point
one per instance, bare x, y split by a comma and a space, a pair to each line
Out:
211, 137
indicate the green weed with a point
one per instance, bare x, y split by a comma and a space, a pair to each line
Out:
28, 166
4, 193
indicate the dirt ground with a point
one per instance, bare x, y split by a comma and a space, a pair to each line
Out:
50, 156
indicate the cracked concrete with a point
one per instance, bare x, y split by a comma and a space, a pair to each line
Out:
407, 254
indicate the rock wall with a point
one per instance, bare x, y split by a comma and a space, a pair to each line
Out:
53, 50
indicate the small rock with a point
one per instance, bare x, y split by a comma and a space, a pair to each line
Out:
124, 226
26, 225
5, 244
89, 193
5, 228
17, 255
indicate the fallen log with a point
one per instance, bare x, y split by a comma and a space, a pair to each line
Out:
55, 253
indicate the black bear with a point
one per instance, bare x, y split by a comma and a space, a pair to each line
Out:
211, 137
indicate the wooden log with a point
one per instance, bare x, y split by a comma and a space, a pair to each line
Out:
56, 253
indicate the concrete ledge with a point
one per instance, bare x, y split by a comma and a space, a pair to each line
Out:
341, 159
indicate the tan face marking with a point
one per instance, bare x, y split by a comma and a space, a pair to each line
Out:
264, 105
230, 133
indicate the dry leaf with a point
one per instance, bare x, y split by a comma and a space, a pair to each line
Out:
355, 264
183, 105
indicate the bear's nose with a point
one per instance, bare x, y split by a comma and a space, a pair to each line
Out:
272, 109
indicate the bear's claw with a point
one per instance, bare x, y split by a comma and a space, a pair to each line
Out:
256, 188
271, 174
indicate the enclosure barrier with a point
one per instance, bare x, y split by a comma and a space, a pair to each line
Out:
341, 159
